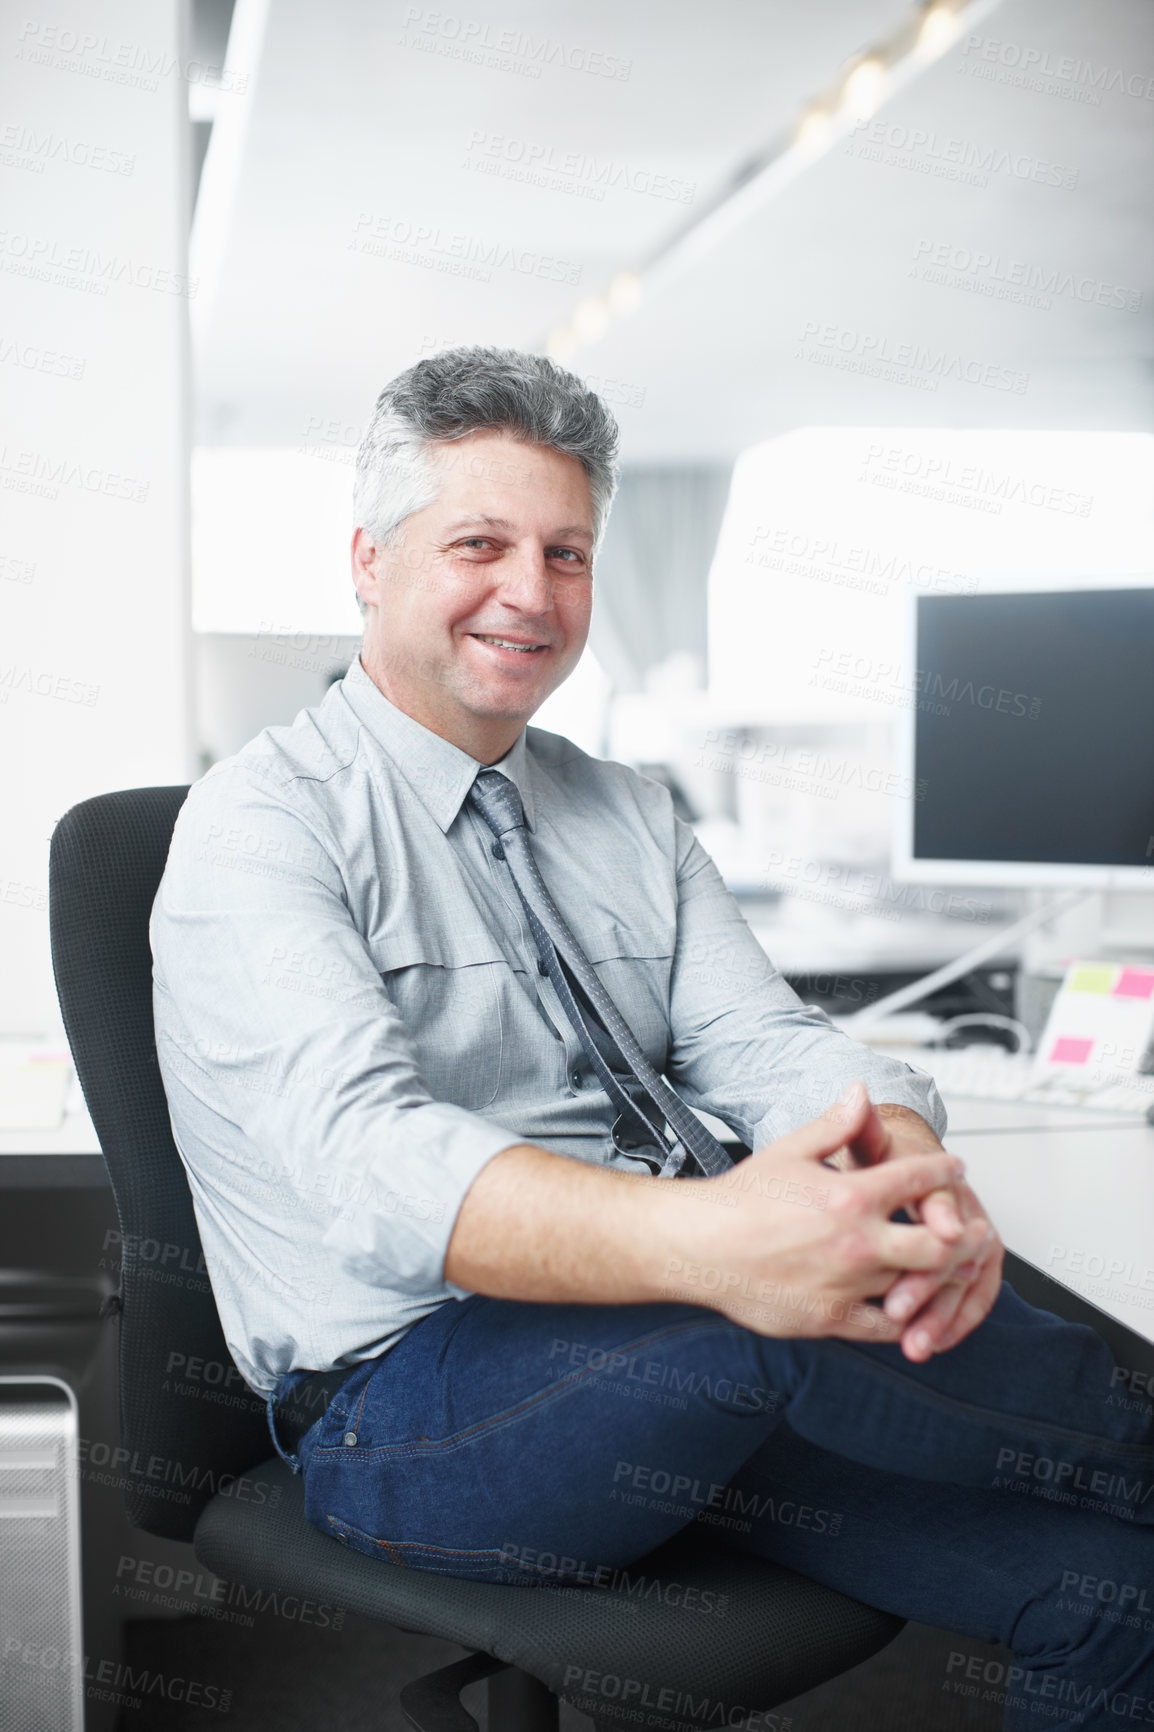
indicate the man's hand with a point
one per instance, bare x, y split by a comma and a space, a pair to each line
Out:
788, 1246
938, 1310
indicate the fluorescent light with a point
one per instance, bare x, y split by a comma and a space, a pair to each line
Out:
813, 130
940, 26
873, 78
561, 344
625, 293
591, 320
863, 89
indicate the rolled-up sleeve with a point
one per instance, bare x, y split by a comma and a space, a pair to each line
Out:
283, 1055
745, 1047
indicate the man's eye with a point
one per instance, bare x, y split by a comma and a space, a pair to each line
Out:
574, 557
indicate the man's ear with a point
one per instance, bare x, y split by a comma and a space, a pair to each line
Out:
363, 557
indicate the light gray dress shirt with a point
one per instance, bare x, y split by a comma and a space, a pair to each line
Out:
351, 1022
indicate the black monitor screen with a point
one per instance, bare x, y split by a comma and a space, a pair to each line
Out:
1034, 728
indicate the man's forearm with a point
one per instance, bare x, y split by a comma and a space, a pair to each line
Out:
541, 1227
538, 1226
781, 1244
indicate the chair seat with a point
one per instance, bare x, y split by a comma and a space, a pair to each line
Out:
769, 1635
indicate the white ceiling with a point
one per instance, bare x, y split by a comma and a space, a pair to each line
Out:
350, 121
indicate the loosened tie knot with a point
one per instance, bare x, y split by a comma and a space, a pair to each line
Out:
498, 801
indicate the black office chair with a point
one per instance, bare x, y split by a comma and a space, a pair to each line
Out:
201, 1470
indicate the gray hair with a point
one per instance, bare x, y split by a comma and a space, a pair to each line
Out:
462, 391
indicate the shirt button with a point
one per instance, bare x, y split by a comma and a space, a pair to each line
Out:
575, 1079
350, 1438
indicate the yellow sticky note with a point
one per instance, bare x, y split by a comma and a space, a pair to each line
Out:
1090, 979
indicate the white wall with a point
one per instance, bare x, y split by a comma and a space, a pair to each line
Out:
270, 540
94, 634
248, 681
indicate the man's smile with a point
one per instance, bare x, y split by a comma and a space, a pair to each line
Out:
506, 647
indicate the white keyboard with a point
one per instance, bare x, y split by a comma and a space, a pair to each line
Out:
991, 1073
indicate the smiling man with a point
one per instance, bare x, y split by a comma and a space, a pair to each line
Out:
436, 993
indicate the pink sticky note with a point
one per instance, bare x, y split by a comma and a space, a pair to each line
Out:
1135, 983
1067, 1050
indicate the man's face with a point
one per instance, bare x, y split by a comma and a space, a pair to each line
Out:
504, 551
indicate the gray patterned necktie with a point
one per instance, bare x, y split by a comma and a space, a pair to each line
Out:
498, 802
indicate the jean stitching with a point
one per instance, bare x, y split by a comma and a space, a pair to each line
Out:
509, 1416
989, 1415
385, 1545
361, 1406
421, 1545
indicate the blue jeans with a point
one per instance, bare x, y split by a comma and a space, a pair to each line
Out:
1004, 1490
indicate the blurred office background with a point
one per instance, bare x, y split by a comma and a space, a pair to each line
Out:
867, 284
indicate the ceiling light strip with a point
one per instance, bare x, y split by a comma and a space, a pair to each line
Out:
862, 86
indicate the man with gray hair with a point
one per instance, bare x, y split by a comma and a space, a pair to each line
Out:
437, 994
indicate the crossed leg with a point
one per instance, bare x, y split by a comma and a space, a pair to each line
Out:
509, 1441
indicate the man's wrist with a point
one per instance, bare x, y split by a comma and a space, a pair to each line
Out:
907, 1124
672, 1233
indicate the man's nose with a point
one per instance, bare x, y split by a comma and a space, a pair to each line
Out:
526, 579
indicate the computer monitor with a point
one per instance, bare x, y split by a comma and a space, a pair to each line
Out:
1027, 740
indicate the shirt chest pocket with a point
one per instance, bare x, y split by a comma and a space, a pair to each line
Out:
634, 963
447, 989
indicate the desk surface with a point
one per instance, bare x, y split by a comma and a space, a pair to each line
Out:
1074, 1198
803, 939
74, 1136
66, 1158
970, 1117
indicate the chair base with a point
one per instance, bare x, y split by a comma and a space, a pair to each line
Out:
517, 1701
521, 1702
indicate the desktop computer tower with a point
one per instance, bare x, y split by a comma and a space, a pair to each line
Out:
42, 1662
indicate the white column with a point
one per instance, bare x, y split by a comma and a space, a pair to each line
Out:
94, 292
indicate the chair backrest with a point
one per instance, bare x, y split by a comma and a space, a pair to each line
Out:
190, 1426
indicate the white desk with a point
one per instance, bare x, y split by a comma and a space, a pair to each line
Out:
806, 939
75, 1135
1072, 1195
67, 1156
981, 1118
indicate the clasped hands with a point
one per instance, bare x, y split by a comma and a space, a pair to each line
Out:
814, 1235
938, 1309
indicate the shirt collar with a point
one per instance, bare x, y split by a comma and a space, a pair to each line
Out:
439, 773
